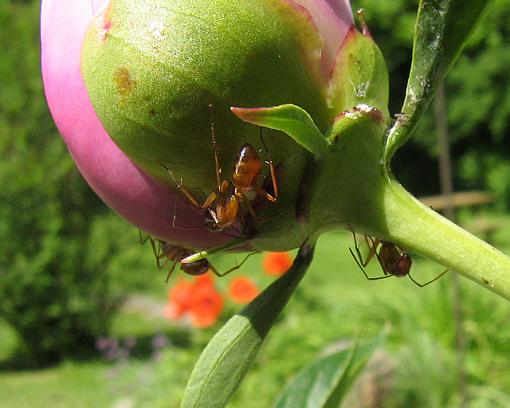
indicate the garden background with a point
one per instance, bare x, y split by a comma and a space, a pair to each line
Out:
81, 302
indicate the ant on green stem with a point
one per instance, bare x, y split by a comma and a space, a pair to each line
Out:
393, 260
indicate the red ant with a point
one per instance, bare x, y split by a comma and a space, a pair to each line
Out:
393, 260
165, 252
223, 203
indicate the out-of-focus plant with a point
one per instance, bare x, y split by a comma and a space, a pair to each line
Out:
242, 290
59, 284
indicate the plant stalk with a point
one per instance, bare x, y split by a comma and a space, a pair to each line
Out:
417, 228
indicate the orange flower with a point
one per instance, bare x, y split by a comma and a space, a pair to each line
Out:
276, 263
204, 280
206, 305
199, 299
178, 299
242, 290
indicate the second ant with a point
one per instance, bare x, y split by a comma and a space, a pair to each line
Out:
165, 252
393, 260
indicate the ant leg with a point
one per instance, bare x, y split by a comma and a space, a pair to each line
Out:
249, 207
372, 249
214, 217
208, 202
220, 274
181, 188
422, 285
273, 174
170, 271
359, 258
263, 193
363, 269
142, 237
156, 251
174, 217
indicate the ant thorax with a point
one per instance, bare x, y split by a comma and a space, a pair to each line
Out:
247, 168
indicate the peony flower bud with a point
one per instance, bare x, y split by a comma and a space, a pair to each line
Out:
162, 77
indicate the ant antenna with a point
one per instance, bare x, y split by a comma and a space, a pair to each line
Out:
270, 164
215, 146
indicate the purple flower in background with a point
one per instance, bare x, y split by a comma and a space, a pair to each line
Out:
160, 341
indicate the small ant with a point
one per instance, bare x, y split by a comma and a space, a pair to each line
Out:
165, 252
393, 260
223, 203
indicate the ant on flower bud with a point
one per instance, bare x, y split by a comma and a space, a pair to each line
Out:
224, 203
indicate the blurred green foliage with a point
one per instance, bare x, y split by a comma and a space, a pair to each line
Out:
66, 261
416, 368
64, 255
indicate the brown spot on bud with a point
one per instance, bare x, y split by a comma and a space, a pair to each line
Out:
124, 83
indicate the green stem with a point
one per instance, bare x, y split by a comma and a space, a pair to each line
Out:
417, 228
352, 190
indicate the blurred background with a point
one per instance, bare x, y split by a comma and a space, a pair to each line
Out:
83, 305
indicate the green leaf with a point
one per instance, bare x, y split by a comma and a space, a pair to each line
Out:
291, 119
360, 76
230, 354
442, 28
326, 381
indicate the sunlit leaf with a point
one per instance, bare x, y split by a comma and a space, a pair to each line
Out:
290, 119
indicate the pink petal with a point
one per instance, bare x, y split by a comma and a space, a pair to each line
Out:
119, 183
332, 19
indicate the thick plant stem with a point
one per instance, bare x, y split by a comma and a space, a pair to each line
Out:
419, 229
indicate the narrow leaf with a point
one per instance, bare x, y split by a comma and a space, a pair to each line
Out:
441, 31
327, 380
291, 119
197, 256
230, 354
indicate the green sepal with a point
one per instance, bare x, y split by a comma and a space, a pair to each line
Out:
360, 75
442, 28
231, 352
292, 120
